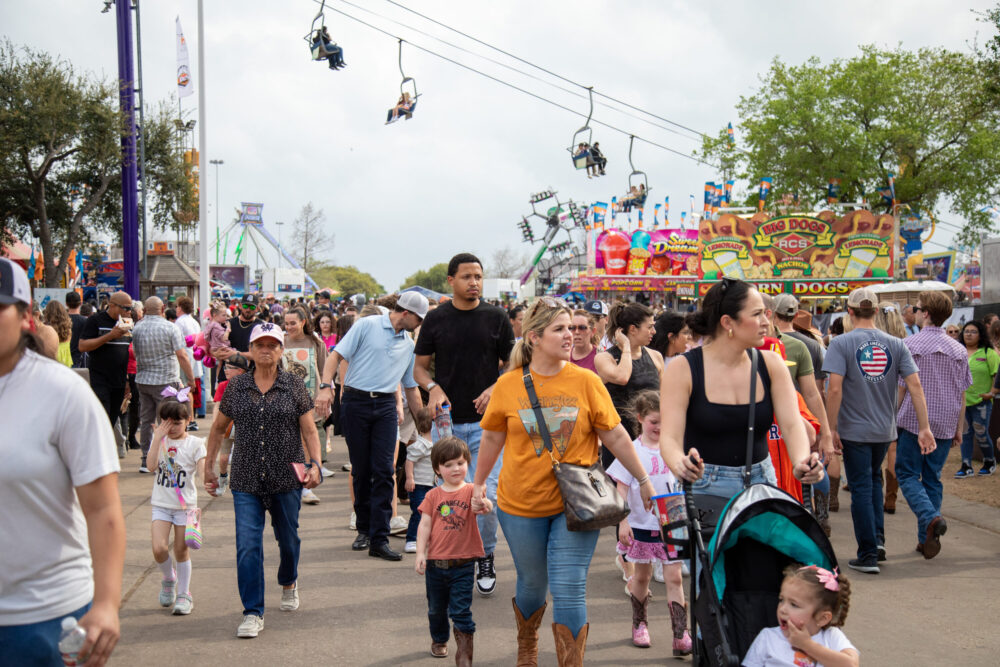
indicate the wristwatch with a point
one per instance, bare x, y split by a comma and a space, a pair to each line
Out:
431, 385
324, 385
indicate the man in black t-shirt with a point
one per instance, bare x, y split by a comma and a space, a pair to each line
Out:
73, 303
106, 344
470, 341
241, 326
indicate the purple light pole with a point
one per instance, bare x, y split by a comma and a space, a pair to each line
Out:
130, 220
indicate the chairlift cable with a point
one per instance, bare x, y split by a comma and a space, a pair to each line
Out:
522, 90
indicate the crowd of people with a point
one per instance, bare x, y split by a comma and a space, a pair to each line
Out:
441, 407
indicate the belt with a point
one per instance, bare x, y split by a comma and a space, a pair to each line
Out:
370, 394
450, 564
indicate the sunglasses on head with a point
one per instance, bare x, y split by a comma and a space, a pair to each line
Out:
549, 302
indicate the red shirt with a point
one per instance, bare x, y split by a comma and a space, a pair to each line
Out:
454, 530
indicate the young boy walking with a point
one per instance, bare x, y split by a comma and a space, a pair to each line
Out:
448, 544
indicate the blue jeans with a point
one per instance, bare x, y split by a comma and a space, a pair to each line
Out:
249, 513
35, 644
416, 497
863, 463
471, 434
977, 425
370, 427
727, 481
549, 557
449, 593
919, 478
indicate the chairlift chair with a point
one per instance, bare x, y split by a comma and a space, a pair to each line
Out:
403, 90
316, 46
581, 160
637, 177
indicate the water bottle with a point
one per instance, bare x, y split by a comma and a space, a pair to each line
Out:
442, 421
71, 640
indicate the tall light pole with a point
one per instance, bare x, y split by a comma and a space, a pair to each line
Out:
204, 293
280, 224
217, 163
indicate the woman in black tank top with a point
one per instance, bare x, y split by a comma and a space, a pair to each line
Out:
705, 399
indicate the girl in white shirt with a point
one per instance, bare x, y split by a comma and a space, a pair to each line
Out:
639, 533
179, 458
811, 609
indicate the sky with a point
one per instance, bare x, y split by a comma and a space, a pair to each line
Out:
457, 177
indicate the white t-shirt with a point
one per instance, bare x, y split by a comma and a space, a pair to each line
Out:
419, 452
186, 453
659, 474
189, 327
56, 436
771, 648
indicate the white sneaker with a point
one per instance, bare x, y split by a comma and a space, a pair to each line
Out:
223, 484
309, 498
410, 548
183, 605
658, 571
685, 570
290, 598
398, 525
251, 626
327, 472
353, 525
168, 592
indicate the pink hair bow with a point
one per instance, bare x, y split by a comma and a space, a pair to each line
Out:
181, 396
827, 578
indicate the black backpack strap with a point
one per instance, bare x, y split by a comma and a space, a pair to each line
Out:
543, 428
754, 356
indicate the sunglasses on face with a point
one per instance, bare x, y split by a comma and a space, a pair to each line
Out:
578, 327
249, 306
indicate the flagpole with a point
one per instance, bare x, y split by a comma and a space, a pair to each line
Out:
203, 267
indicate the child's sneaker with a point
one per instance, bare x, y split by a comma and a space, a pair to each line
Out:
410, 548
183, 605
965, 471
168, 592
989, 467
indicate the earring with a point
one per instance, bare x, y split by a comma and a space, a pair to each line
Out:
730, 333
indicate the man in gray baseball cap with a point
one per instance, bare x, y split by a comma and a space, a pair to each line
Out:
14, 286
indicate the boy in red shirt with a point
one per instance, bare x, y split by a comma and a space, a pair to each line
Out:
448, 544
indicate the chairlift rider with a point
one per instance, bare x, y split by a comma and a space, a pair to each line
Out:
404, 106
323, 47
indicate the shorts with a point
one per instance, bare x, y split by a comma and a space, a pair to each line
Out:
178, 517
408, 429
646, 547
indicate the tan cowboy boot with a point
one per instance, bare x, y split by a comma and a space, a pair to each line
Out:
527, 635
463, 650
569, 651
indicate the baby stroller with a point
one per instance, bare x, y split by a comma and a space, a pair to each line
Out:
759, 533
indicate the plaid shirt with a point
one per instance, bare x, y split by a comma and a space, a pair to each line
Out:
155, 342
944, 375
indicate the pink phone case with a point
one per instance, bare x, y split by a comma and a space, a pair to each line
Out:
300, 472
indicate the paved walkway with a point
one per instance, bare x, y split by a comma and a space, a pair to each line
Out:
356, 610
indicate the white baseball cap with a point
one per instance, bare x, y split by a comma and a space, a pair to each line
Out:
414, 302
13, 283
267, 330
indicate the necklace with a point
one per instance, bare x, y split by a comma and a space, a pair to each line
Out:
239, 321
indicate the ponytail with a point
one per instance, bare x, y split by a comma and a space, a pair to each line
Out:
624, 315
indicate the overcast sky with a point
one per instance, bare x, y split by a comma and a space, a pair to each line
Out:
457, 177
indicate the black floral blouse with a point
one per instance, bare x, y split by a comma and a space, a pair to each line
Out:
267, 432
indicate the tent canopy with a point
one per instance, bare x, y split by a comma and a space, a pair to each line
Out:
429, 293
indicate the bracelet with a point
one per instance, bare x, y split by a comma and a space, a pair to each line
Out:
643, 480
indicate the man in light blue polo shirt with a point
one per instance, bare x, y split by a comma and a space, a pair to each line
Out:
379, 351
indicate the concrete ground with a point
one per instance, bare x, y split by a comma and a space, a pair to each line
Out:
357, 610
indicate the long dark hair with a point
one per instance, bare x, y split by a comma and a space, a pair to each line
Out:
725, 297
307, 329
984, 335
668, 324
624, 315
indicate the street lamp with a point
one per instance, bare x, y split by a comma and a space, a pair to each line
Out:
279, 242
217, 163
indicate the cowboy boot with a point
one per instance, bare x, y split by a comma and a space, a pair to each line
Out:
834, 490
640, 631
679, 621
569, 651
891, 488
527, 635
821, 510
463, 649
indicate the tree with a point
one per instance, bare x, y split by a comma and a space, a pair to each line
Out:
60, 157
347, 280
507, 263
923, 116
989, 54
434, 278
309, 238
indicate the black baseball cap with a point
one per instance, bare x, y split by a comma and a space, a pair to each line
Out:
596, 308
251, 300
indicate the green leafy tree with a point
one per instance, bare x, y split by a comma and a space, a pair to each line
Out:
347, 280
434, 278
60, 157
924, 116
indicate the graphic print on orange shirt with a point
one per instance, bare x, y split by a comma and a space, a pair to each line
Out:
560, 414
449, 517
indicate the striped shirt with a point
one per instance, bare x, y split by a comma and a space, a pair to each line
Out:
155, 342
944, 374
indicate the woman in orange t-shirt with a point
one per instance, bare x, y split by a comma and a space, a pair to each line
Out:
578, 411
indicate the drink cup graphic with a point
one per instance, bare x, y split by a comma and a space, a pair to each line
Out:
614, 249
671, 511
859, 261
729, 264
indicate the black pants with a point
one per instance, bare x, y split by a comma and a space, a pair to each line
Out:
133, 413
111, 399
370, 426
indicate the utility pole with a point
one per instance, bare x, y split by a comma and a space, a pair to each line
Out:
126, 97
204, 292
217, 163
280, 224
